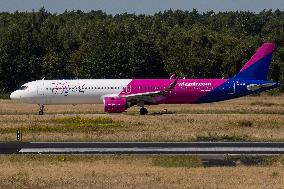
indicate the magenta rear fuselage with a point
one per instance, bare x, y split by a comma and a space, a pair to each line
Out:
191, 91
185, 91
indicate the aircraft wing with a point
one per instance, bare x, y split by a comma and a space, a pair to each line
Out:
151, 96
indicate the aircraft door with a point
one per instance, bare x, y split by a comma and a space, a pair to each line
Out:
42, 93
40, 88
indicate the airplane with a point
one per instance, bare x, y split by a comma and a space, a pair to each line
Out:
118, 95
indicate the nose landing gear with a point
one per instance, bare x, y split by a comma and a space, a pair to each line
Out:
41, 108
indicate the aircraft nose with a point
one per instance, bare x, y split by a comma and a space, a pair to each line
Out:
15, 96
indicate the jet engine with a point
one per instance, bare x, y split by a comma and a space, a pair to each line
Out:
115, 104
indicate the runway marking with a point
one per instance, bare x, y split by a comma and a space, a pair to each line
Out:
159, 142
190, 149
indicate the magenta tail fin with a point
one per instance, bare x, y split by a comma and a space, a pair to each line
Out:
257, 67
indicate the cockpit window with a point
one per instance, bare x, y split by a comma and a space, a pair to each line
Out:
23, 87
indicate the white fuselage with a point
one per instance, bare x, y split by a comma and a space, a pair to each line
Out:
83, 91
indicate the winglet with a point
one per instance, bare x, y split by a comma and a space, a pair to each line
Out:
170, 87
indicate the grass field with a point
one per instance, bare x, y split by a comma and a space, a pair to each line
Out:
26, 171
263, 104
259, 118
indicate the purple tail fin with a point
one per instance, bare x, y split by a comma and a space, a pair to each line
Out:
257, 67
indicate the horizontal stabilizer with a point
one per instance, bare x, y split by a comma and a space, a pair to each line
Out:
254, 87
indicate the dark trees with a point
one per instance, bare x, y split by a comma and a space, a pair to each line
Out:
96, 45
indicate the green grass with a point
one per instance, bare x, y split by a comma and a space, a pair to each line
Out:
54, 158
275, 92
68, 125
216, 137
50, 113
244, 123
20, 180
165, 161
194, 161
242, 111
257, 160
267, 104
83, 122
228, 112
177, 161
232, 138
264, 110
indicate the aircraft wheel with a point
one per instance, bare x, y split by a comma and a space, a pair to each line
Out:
143, 111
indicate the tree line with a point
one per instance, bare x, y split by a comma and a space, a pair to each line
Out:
94, 44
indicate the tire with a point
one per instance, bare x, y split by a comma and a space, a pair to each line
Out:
143, 111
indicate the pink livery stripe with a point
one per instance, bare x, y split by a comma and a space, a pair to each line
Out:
263, 51
185, 90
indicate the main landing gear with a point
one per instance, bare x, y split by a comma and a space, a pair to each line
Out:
143, 111
41, 108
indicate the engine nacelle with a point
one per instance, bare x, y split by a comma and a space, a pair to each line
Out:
115, 104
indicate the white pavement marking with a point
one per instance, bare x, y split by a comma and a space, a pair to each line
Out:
159, 142
190, 149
